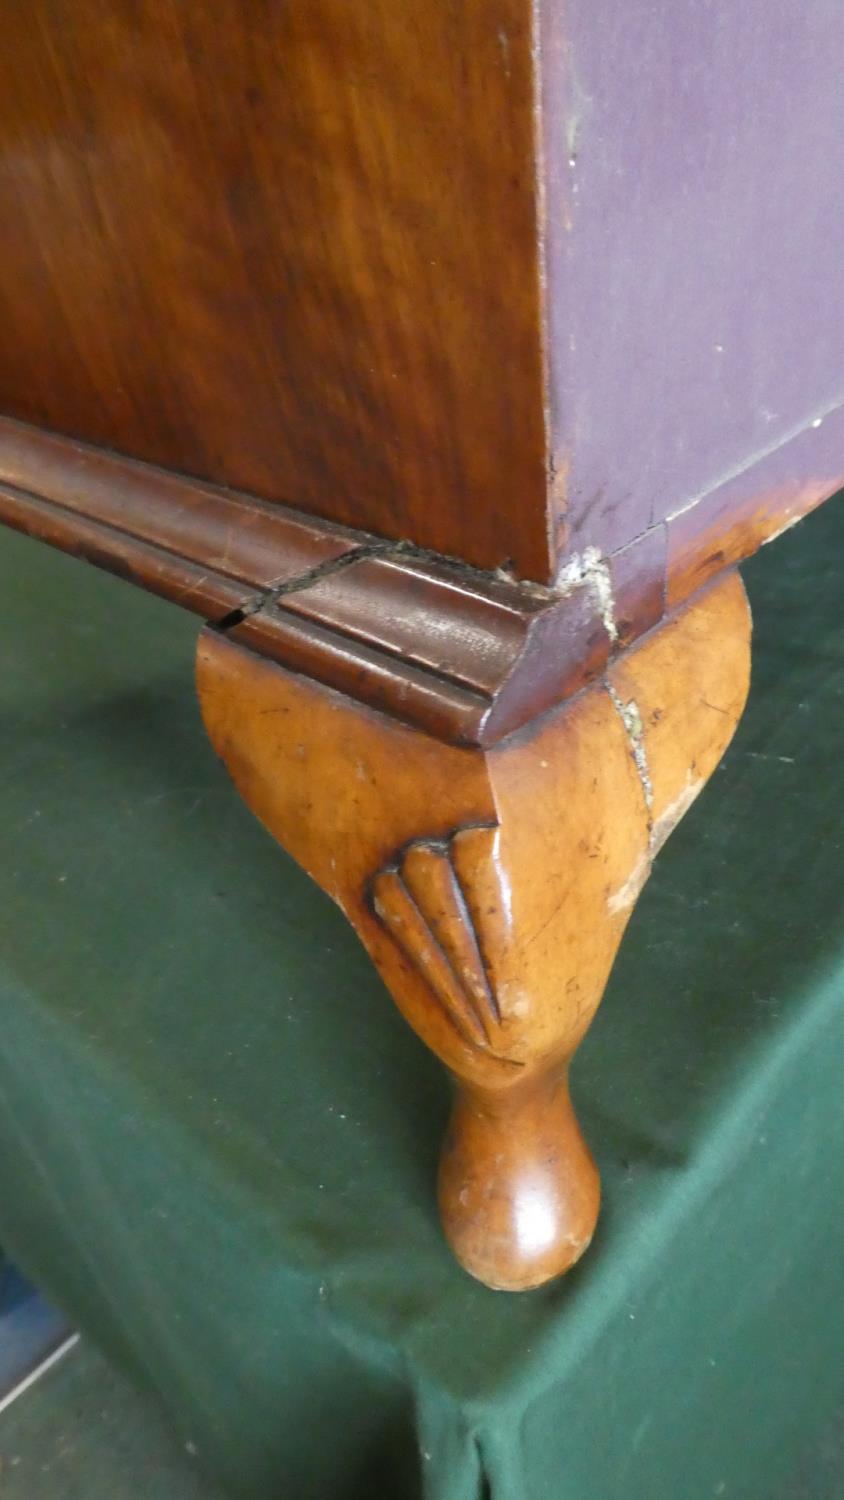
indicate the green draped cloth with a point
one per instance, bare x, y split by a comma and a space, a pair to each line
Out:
218, 1139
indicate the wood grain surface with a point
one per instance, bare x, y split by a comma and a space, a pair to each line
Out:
286, 247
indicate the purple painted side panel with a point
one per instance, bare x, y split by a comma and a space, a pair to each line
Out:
695, 247
637, 581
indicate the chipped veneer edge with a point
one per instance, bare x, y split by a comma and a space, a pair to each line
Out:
632, 721
588, 569
658, 828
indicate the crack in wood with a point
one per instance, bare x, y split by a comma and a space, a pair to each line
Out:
265, 598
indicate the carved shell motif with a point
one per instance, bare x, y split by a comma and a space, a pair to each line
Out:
437, 899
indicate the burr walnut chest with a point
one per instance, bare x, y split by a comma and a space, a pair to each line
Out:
445, 359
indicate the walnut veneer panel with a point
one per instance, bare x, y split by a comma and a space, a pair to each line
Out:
288, 247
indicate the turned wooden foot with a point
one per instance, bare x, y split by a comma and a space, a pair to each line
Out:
518, 1190
492, 886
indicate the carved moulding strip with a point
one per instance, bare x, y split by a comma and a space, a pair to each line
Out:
469, 656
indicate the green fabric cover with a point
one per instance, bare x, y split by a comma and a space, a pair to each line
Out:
218, 1139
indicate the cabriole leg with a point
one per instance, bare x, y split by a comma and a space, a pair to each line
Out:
492, 887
